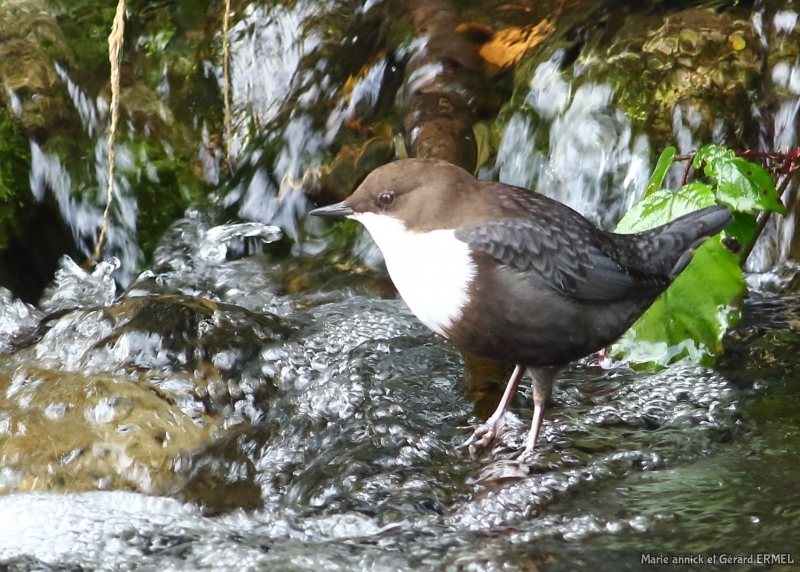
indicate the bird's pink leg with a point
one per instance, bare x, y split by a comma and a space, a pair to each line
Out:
542, 387
487, 432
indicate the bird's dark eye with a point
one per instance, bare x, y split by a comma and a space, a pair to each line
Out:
386, 198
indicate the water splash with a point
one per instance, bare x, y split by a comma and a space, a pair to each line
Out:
266, 47
73, 287
593, 162
91, 114
258, 197
362, 99
774, 245
83, 211
216, 241
17, 319
213, 262
549, 93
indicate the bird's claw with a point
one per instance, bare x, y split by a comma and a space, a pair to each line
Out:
483, 436
526, 458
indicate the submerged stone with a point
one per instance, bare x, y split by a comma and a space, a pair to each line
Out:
118, 393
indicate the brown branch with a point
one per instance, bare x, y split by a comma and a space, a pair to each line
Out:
687, 169
763, 219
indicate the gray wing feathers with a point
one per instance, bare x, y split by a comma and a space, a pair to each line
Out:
564, 260
563, 252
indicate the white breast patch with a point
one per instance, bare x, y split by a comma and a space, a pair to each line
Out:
432, 270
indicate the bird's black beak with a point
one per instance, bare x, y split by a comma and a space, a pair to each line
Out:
339, 209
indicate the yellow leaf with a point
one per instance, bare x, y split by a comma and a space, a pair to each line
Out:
737, 42
506, 47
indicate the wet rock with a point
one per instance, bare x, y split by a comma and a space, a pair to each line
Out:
30, 40
117, 393
702, 62
222, 476
698, 63
67, 431
764, 343
335, 182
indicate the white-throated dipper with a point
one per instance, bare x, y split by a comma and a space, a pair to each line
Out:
509, 274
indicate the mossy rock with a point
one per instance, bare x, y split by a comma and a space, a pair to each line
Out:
71, 432
704, 60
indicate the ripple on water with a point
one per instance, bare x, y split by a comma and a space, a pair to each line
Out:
339, 434
355, 463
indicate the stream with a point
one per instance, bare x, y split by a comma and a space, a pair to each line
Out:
238, 387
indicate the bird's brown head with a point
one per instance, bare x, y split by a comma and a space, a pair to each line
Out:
423, 194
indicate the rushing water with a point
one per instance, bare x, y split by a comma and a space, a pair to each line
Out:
591, 147
351, 459
250, 394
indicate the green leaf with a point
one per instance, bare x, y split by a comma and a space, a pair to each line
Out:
743, 228
663, 205
691, 316
742, 185
709, 154
746, 187
663, 165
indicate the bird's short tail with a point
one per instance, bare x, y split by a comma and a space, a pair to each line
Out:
668, 249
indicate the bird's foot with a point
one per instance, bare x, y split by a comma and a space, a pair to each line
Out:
526, 458
484, 434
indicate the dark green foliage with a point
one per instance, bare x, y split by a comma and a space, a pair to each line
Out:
162, 200
15, 162
691, 317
